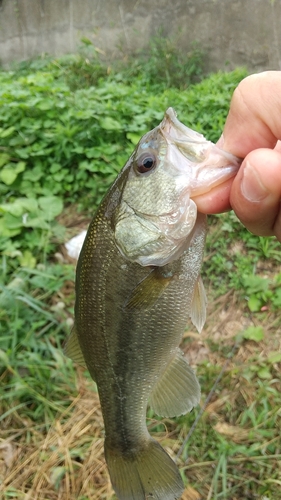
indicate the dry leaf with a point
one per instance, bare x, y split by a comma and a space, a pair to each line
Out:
235, 433
191, 494
7, 453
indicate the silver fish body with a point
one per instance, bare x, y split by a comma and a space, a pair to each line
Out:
138, 282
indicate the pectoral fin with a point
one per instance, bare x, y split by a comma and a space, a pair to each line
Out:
148, 291
177, 391
72, 348
199, 305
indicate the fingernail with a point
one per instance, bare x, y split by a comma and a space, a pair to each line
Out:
251, 186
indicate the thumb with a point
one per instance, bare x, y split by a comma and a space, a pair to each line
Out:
256, 192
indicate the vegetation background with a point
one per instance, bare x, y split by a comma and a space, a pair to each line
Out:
67, 126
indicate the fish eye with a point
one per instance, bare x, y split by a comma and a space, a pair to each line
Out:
145, 163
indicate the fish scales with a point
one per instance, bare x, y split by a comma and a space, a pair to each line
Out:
138, 282
128, 353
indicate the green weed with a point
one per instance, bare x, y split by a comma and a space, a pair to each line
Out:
239, 441
163, 65
234, 259
33, 326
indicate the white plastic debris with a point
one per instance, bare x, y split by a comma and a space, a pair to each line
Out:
73, 246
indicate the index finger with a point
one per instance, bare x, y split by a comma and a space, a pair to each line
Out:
254, 117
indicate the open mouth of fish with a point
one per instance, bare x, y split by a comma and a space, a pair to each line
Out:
193, 156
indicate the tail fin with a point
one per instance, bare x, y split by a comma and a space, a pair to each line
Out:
150, 473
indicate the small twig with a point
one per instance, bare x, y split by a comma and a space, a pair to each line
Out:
233, 460
210, 492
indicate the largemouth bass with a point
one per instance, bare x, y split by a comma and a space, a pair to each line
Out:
137, 283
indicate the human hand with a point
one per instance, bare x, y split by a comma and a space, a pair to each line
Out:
252, 131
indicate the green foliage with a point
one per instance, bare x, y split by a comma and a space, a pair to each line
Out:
57, 142
29, 311
28, 229
234, 256
162, 63
81, 70
255, 333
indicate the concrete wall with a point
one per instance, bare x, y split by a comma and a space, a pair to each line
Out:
232, 32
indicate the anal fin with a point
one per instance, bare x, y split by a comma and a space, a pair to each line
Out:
177, 391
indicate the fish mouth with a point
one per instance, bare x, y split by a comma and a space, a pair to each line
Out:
203, 163
191, 143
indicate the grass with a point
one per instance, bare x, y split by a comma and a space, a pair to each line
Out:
51, 440
240, 428
51, 428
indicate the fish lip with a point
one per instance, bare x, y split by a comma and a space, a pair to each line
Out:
170, 125
191, 137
